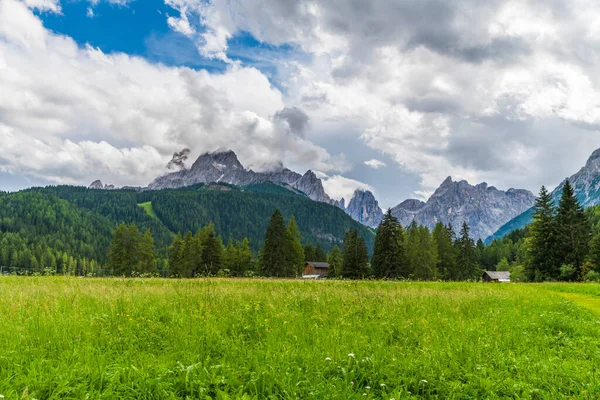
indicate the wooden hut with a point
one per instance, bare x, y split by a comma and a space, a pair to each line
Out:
315, 270
496, 276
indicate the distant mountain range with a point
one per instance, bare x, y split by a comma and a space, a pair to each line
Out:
586, 183
488, 211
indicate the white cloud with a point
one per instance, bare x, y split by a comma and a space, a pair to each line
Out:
375, 164
339, 187
460, 87
120, 118
44, 5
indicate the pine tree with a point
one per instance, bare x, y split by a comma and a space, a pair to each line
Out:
123, 254
273, 255
388, 254
147, 254
295, 251
542, 238
335, 263
245, 258
422, 255
467, 255
212, 251
176, 267
573, 232
355, 256
443, 239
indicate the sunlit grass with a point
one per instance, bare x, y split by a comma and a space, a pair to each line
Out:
166, 339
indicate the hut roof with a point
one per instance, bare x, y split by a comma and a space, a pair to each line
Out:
323, 265
501, 276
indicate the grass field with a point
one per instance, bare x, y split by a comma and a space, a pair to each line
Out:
73, 338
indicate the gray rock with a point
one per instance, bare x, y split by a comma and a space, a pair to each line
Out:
364, 208
96, 185
224, 166
484, 208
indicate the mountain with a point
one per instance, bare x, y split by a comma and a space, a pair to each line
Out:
364, 208
484, 208
224, 166
586, 183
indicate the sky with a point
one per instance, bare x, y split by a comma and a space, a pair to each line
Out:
391, 96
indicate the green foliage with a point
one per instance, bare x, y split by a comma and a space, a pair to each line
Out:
503, 265
573, 232
447, 266
421, 253
314, 253
335, 263
295, 251
542, 262
466, 260
389, 258
355, 257
274, 259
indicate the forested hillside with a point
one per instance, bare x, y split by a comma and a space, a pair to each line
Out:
40, 227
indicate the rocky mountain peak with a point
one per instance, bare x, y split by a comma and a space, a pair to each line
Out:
364, 208
484, 208
96, 185
219, 159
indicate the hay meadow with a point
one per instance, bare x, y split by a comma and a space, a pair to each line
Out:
85, 338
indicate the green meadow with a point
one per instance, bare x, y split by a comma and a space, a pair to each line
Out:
79, 338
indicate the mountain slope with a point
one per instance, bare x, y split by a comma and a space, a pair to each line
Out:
224, 166
484, 208
364, 208
586, 183
236, 212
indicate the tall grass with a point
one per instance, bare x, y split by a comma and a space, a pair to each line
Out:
69, 338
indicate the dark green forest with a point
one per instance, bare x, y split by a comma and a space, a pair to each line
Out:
40, 228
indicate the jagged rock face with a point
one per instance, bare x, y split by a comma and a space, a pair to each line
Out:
484, 208
224, 166
586, 182
96, 185
407, 210
365, 209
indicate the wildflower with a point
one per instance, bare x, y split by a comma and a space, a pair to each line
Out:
364, 394
1, 396
382, 385
424, 380
352, 383
351, 355
367, 387
327, 359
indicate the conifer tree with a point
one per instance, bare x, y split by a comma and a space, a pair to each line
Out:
212, 251
147, 254
176, 267
245, 258
573, 232
273, 256
543, 241
295, 251
467, 255
388, 254
355, 256
123, 254
443, 239
335, 263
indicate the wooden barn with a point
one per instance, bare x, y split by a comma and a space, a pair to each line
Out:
496, 276
315, 270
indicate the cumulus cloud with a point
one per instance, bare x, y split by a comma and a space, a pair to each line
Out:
340, 187
480, 90
375, 164
120, 118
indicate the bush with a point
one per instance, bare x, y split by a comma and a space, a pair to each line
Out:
592, 276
